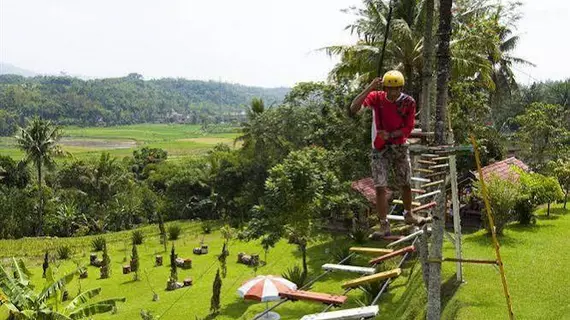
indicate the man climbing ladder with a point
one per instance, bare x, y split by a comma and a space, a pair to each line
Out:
393, 119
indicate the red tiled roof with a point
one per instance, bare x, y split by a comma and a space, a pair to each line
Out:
366, 188
503, 169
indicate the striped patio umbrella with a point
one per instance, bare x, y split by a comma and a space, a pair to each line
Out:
265, 288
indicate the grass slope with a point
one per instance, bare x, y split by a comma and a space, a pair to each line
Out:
178, 139
534, 259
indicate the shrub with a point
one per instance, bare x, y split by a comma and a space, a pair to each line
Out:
359, 234
137, 237
296, 276
174, 232
503, 195
340, 253
541, 189
524, 209
64, 252
207, 227
98, 244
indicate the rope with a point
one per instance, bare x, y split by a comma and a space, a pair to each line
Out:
381, 61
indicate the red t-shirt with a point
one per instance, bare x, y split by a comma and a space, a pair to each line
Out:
391, 116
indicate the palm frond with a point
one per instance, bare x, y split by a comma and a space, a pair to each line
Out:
81, 299
21, 273
96, 308
54, 286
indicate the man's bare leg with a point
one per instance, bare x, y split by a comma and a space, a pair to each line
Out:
382, 211
382, 203
407, 198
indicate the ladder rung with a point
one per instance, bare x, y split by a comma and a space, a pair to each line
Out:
425, 206
423, 170
429, 155
429, 194
439, 166
343, 267
394, 217
418, 179
346, 314
414, 203
426, 162
393, 254
431, 184
406, 238
418, 191
440, 158
313, 296
370, 250
372, 278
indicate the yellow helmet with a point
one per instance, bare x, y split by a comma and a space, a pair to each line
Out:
393, 78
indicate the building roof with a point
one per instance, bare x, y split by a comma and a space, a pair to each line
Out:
502, 169
366, 187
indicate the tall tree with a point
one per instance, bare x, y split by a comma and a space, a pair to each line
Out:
542, 133
443, 65
135, 262
561, 170
39, 142
427, 70
216, 290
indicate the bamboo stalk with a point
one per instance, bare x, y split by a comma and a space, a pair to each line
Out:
493, 232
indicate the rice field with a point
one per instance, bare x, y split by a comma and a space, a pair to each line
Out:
178, 139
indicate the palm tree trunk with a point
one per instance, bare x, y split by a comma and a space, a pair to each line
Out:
444, 32
427, 69
40, 230
443, 61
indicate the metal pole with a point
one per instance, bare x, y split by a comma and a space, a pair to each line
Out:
492, 225
455, 206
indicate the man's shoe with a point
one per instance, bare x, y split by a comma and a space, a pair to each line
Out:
380, 234
414, 219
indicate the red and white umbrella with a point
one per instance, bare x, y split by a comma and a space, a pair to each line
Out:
265, 288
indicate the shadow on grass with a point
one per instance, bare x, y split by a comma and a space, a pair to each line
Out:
486, 240
236, 309
547, 218
532, 228
448, 290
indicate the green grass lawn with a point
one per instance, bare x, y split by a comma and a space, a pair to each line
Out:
535, 260
178, 139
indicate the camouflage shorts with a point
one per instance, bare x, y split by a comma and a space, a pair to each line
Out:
391, 166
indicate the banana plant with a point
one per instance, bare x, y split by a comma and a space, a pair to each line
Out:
22, 302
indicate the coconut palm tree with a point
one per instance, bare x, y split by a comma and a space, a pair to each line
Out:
256, 108
503, 61
39, 142
443, 72
22, 302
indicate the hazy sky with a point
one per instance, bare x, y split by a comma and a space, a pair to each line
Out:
254, 42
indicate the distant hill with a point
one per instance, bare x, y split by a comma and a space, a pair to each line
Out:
125, 100
6, 68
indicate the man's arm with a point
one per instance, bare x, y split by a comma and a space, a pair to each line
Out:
356, 104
